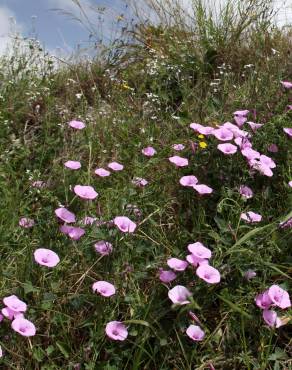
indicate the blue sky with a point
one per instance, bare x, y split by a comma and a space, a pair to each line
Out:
51, 27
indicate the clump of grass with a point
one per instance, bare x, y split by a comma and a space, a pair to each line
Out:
181, 70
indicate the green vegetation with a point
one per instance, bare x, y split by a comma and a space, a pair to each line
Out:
146, 93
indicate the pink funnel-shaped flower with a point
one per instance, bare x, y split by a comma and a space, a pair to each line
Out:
72, 165
26, 222
65, 215
203, 189
149, 151
250, 153
263, 300
15, 304
102, 172
125, 224
261, 167
223, 134
279, 296
188, 181
203, 130
245, 192
166, 276
104, 248
75, 233
116, 330
227, 148
199, 250
177, 264
178, 147
254, 126
271, 318
267, 161
286, 84
10, 314
85, 192
46, 257
78, 125
115, 166
24, 327
251, 217
208, 273
195, 333
288, 131
104, 288
179, 161
179, 295
195, 261
139, 181
290, 184
240, 117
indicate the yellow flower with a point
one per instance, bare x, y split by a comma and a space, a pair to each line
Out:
203, 145
201, 136
126, 86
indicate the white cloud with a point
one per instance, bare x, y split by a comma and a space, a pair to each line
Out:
8, 28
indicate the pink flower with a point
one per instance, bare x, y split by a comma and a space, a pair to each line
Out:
195, 333
251, 217
115, 166
195, 261
177, 264
166, 276
149, 151
23, 327
78, 125
271, 318
102, 172
288, 131
243, 143
290, 183
267, 161
250, 274
85, 191
104, 288
273, 148
179, 161
237, 132
227, 148
1, 352
263, 300
204, 130
9, 314
73, 165
139, 181
26, 222
104, 248
279, 296
116, 330
199, 250
125, 224
208, 273
46, 257
178, 147
240, 117
203, 189
179, 295
188, 181
245, 192
75, 233
65, 215
223, 134
14, 304
261, 167
250, 154
286, 84
254, 126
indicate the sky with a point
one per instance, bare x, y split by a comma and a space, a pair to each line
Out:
57, 30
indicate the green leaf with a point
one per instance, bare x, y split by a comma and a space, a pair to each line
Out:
235, 307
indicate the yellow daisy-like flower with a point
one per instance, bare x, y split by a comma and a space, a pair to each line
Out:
203, 145
201, 136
